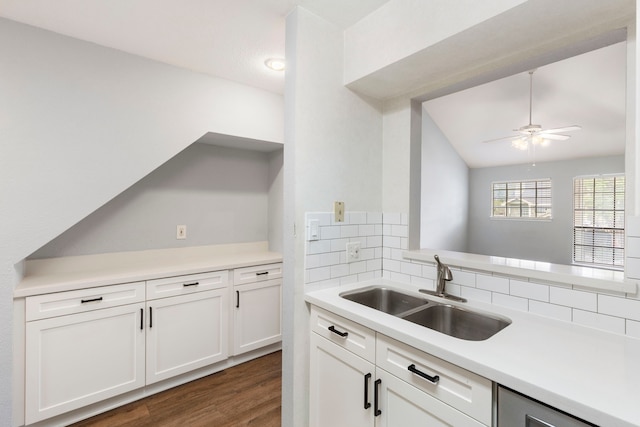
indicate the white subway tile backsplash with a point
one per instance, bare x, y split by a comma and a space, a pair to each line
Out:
319, 274
492, 283
374, 217
529, 290
460, 277
330, 232
475, 294
384, 238
550, 310
399, 230
572, 298
411, 269
392, 218
599, 321
633, 328
366, 230
509, 301
621, 307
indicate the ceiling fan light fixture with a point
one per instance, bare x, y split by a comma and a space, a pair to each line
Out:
520, 144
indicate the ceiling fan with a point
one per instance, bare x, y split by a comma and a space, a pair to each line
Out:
532, 135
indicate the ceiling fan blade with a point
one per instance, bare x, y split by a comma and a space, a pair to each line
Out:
504, 138
564, 129
554, 136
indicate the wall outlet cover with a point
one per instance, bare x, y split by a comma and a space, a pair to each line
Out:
353, 251
338, 210
181, 232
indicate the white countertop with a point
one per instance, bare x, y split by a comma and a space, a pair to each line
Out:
586, 277
589, 373
49, 275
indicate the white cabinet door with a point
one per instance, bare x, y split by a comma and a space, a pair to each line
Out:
79, 359
257, 315
185, 333
402, 404
341, 387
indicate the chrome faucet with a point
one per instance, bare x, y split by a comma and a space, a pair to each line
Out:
444, 275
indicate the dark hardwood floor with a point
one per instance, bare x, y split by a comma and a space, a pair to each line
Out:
245, 395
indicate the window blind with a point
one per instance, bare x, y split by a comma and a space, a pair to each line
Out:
598, 220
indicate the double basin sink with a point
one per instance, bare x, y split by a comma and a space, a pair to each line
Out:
448, 319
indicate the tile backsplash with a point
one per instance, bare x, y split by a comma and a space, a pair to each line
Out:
384, 237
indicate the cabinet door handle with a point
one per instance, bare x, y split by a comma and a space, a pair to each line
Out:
434, 379
84, 301
376, 408
367, 404
335, 331
150, 317
237, 299
141, 319
536, 422
191, 284
262, 273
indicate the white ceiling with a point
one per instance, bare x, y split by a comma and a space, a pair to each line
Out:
587, 90
230, 39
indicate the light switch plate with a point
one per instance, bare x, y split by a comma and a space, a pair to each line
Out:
314, 230
338, 210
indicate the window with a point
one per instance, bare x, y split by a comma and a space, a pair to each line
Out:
598, 220
521, 199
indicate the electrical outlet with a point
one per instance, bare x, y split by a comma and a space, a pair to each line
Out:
338, 210
181, 232
353, 251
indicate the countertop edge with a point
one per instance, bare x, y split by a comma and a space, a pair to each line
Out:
112, 269
565, 274
458, 352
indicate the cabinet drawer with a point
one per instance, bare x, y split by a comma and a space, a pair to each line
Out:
71, 302
257, 273
182, 285
464, 390
354, 337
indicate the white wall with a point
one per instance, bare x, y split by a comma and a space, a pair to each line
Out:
221, 194
550, 241
333, 151
79, 124
444, 191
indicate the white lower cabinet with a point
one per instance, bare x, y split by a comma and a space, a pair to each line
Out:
186, 332
79, 359
340, 386
257, 315
351, 387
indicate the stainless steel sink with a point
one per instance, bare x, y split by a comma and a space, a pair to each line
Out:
386, 300
452, 320
458, 322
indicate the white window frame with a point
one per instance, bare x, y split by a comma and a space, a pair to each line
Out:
618, 233
522, 218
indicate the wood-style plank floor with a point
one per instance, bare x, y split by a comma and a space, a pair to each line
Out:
245, 395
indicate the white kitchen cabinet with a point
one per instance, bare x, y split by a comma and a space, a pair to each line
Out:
82, 348
257, 308
362, 378
189, 330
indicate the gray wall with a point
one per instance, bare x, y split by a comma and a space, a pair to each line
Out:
445, 191
221, 194
549, 241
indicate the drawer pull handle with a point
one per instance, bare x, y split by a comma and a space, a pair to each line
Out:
427, 377
337, 332
262, 273
84, 301
191, 284
376, 409
367, 404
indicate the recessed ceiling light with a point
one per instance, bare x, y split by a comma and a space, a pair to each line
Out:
276, 64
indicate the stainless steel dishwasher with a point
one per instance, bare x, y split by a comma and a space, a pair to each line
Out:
517, 410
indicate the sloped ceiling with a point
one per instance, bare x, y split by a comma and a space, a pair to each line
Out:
587, 90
